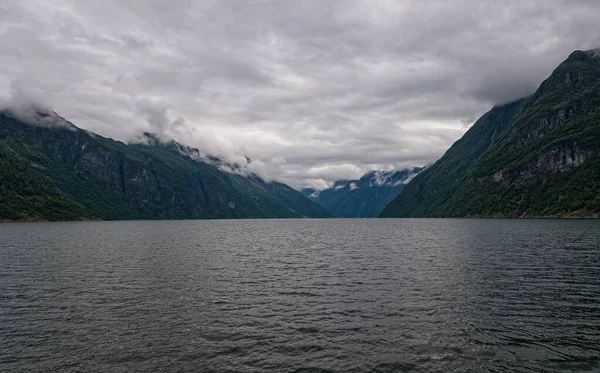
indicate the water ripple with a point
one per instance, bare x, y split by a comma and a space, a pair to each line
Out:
300, 296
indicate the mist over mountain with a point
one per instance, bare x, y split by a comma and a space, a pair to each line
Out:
311, 91
364, 197
52, 170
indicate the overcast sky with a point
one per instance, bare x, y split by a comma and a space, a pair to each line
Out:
312, 91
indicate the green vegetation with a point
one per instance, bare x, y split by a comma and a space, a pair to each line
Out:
68, 174
26, 194
425, 195
541, 161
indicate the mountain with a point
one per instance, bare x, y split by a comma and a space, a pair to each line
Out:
52, 170
427, 193
537, 157
365, 197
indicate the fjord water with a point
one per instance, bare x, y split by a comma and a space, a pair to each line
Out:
300, 296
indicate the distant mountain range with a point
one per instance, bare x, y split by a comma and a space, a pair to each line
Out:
535, 157
365, 197
52, 170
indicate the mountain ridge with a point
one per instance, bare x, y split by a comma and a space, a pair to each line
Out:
52, 170
542, 162
364, 197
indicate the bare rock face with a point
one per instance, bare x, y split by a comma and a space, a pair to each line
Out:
564, 158
547, 123
498, 176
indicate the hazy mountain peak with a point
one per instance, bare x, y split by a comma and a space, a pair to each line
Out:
38, 116
392, 178
243, 166
365, 197
68, 175
595, 53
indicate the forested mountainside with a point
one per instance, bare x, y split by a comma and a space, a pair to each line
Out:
536, 157
52, 170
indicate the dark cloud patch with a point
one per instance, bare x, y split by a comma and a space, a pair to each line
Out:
311, 90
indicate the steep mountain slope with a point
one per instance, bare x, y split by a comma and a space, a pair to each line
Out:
544, 163
53, 170
363, 198
425, 195
24, 191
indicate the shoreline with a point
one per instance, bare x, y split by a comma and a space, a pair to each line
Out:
495, 217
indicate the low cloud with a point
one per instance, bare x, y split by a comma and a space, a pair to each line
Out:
311, 91
24, 99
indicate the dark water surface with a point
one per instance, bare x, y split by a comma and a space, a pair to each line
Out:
300, 296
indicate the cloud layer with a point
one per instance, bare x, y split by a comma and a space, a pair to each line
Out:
313, 91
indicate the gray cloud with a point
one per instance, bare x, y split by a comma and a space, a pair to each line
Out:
312, 91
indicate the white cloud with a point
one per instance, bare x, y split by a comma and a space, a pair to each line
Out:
311, 91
